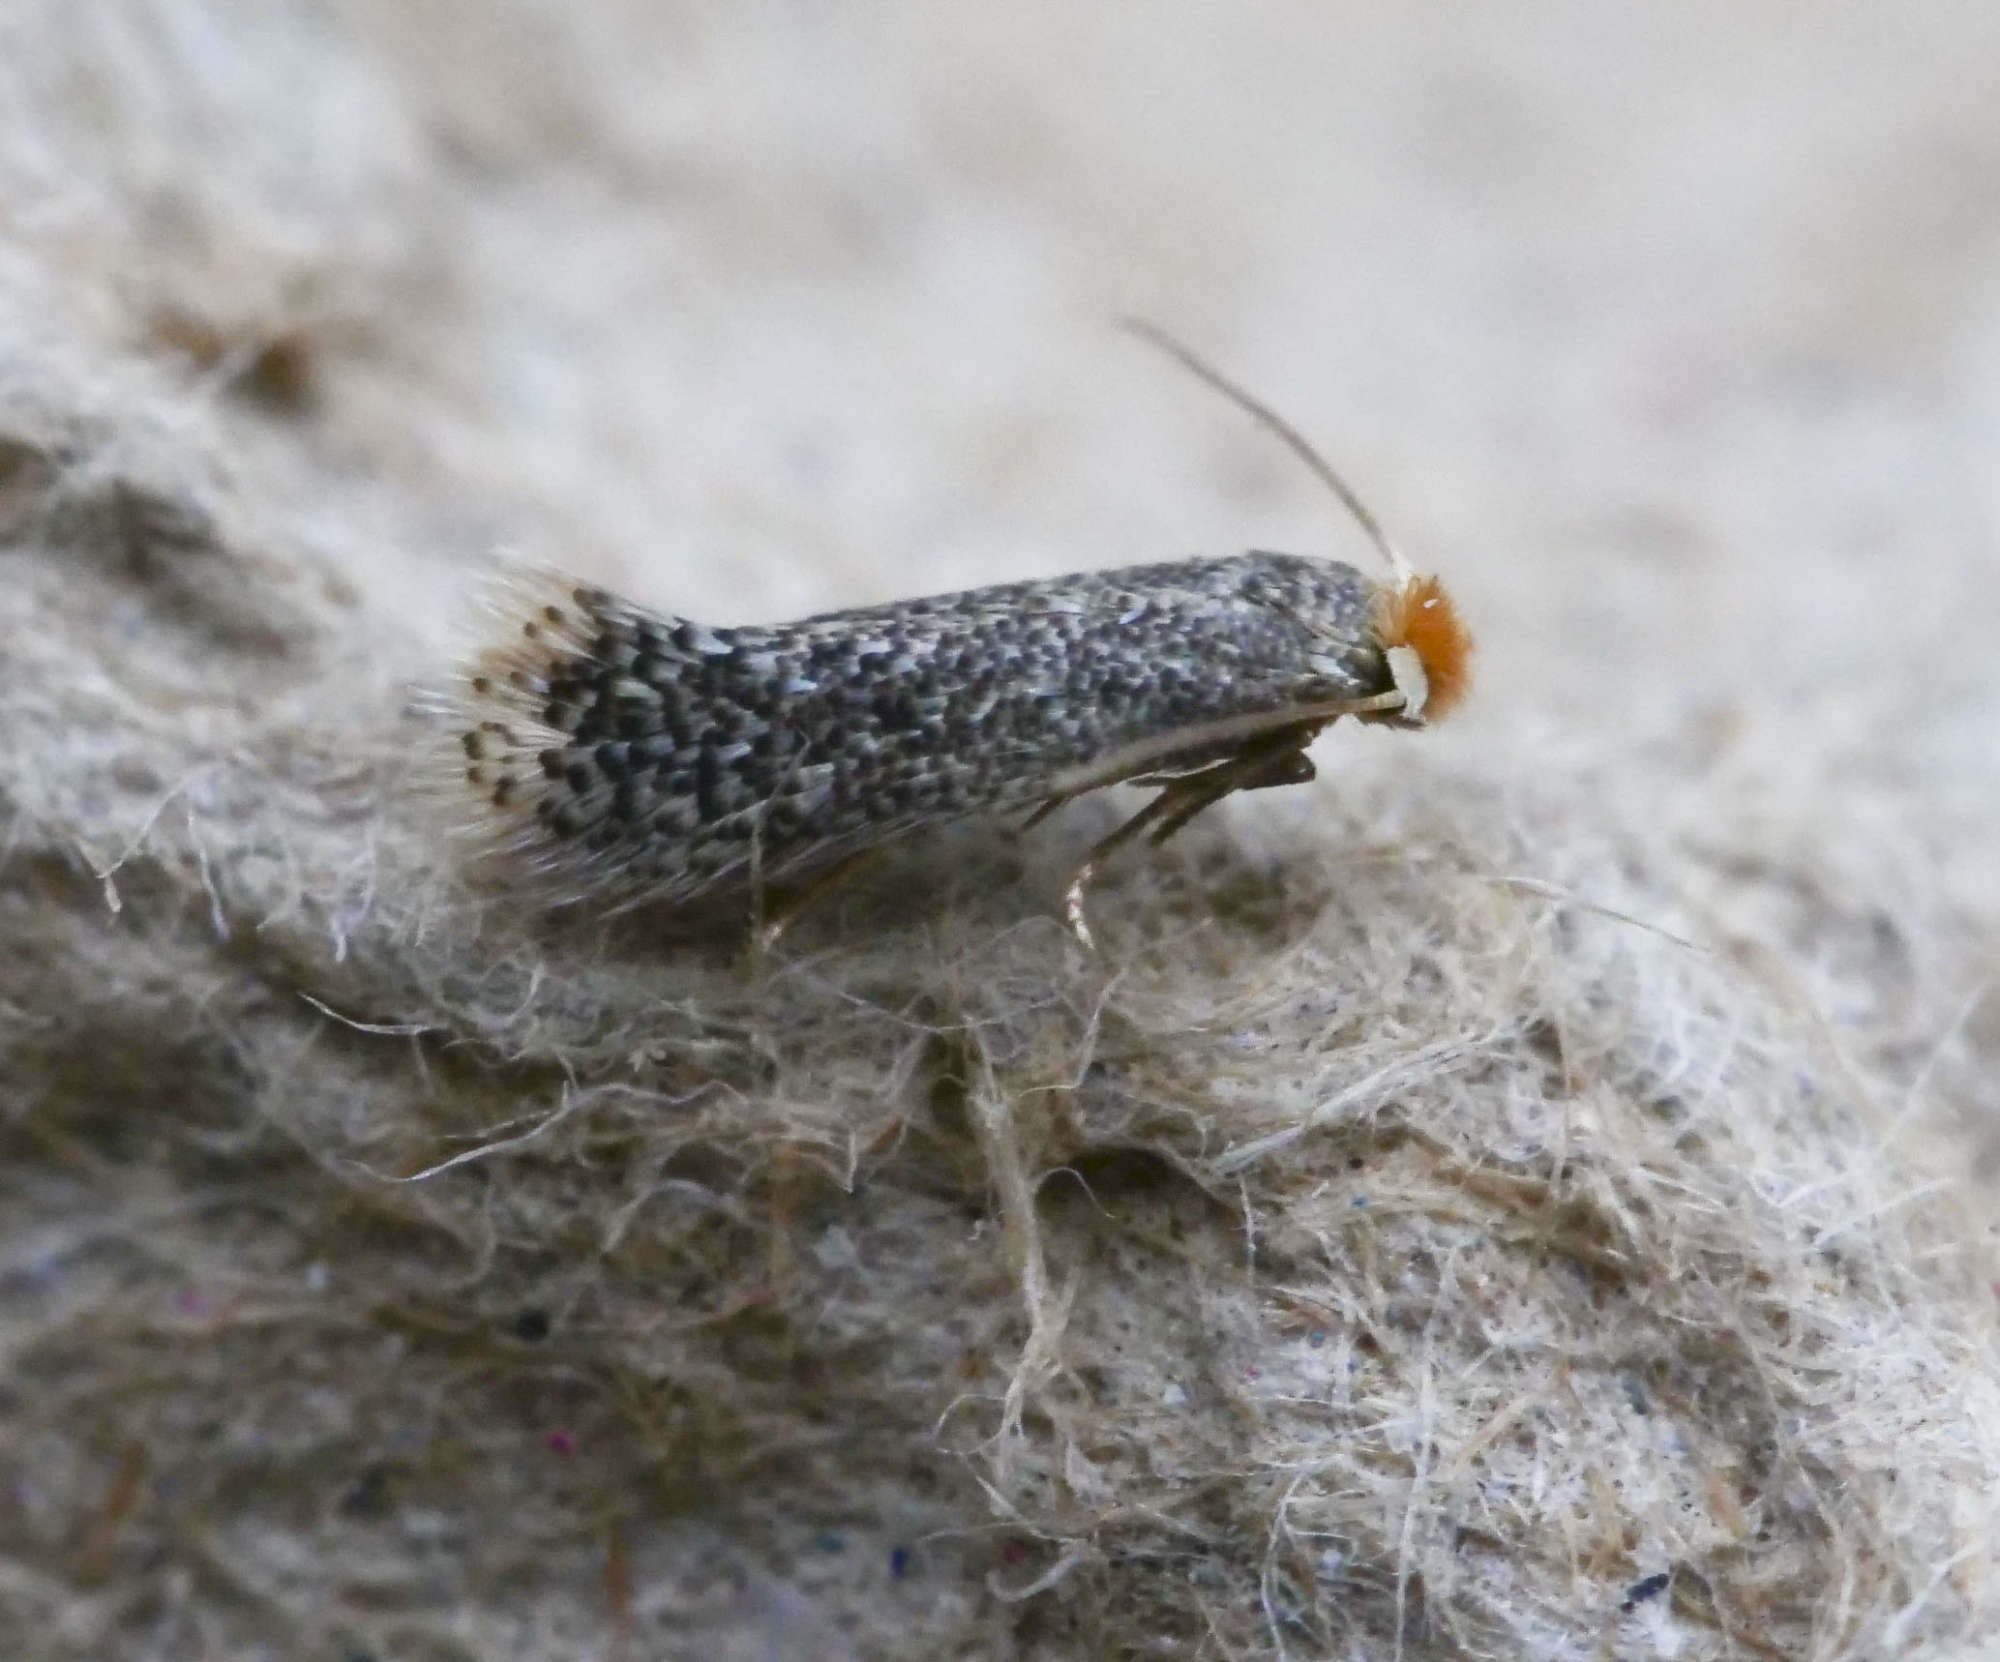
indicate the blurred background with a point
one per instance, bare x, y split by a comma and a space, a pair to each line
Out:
1669, 333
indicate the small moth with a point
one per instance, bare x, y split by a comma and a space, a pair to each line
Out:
629, 755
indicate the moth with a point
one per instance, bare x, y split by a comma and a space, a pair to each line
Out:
623, 753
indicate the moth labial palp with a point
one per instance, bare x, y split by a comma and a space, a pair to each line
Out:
626, 755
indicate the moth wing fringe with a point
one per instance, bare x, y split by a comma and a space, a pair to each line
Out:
490, 714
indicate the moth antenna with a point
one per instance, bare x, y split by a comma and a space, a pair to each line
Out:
1288, 435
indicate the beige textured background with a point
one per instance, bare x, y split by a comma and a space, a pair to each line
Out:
1545, 1155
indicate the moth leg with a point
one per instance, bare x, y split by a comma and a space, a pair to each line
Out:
1280, 761
1289, 767
1049, 805
786, 909
1282, 747
1073, 895
1079, 926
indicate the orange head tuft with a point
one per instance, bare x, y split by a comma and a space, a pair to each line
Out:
1418, 614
